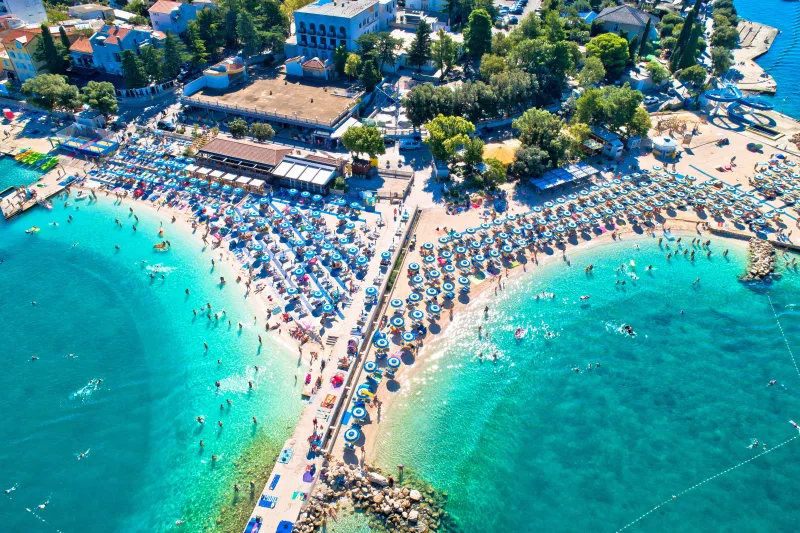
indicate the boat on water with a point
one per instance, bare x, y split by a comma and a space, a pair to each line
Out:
32, 230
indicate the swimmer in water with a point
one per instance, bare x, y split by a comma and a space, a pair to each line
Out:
771, 383
586, 297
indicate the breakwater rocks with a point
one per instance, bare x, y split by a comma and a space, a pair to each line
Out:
761, 260
389, 507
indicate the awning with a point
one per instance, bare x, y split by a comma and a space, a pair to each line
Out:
191, 168
350, 122
258, 184
243, 180
229, 177
216, 174
204, 171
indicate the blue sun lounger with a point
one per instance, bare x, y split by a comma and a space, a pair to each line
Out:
274, 482
267, 501
285, 455
253, 526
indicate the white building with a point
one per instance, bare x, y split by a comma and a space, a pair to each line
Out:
28, 11
324, 25
426, 5
112, 39
174, 16
91, 12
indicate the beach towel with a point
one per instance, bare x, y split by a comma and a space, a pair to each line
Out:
285, 456
274, 482
330, 401
267, 502
252, 526
300, 496
308, 477
285, 527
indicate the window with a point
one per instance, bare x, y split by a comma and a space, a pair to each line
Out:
117, 57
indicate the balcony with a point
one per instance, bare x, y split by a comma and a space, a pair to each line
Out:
301, 29
312, 32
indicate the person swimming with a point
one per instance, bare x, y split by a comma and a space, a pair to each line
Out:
629, 330
585, 297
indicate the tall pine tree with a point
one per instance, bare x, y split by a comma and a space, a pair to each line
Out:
645, 38
683, 37
48, 52
419, 52
689, 55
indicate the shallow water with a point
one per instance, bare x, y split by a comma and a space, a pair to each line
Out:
144, 468
528, 444
13, 174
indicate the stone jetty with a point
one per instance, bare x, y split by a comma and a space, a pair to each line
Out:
762, 260
389, 507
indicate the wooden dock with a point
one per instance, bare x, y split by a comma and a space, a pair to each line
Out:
46, 187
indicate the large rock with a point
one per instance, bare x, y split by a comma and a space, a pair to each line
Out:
413, 516
377, 479
378, 498
415, 495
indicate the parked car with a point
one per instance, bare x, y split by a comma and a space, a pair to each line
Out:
650, 100
410, 144
388, 141
516, 11
513, 20
502, 11
672, 92
165, 125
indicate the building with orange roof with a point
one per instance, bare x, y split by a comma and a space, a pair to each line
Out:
112, 39
166, 15
21, 45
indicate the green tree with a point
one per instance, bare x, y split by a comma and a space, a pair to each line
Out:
50, 52
51, 91
657, 72
174, 57
676, 59
195, 44
530, 162
238, 127
62, 33
502, 44
387, 50
152, 60
721, 59
472, 154
364, 140
478, 34
633, 48
612, 50
368, 46
491, 65
592, 72
137, 7
695, 75
351, 65
419, 104
726, 37
139, 20
419, 53
340, 59
446, 135
690, 50
248, 35
210, 23
444, 52
495, 172
370, 76
645, 39
133, 70
538, 127
101, 96
262, 131
553, 26
640, 123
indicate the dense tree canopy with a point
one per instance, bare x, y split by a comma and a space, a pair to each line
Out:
540, 128
419, 53
612, 50
51, 91
364, 140
101, 96
446, 135
478, 34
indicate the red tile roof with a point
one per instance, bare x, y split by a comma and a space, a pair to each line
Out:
164, 6
314, 63
13, 35
82, 45
116, 35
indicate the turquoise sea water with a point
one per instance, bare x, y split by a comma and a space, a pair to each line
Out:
527, 444
784, 56
13, 174
145, 468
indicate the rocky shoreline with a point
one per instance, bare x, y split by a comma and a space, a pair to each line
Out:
389, 506
761, 260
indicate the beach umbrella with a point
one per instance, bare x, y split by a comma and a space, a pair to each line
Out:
549, 235
448, 287
386, 255
398, 322
449, 269
327, 308
413, 267
479, 258
431, 292
371, 291
461, 250
305, 194
408, 336
352, 250
291, 291
309, 255
359, 413
455, 236
416, 314
444, 239
463, 280
292, 192
429, 259
361, 261
370, 366
508, 249
417, 280
363, 393
538, 208
471, 231
316, 198
434, 274
427, 246
396, 303
464, 264
382, 343
486, 225
549, 204
315, 214
393, 363
350, 225
237, 190
434, 309
352, 434
299, 271
446, 254
414, 297
494, 254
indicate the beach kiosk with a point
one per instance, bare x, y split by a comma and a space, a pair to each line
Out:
665, 147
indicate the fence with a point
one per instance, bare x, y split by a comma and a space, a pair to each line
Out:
353, 376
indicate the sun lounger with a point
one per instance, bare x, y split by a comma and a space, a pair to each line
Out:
274, 482
253, 526
268, 502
